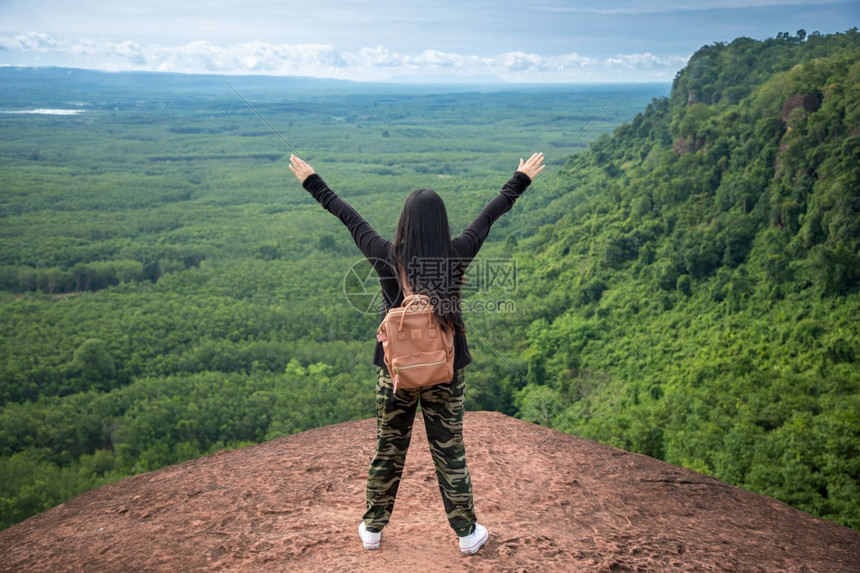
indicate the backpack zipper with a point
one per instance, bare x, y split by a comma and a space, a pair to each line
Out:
397, 370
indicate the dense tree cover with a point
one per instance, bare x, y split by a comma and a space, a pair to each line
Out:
685, 288
167, 289
710, 263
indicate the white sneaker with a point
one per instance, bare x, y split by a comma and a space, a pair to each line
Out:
471, 543
369, 539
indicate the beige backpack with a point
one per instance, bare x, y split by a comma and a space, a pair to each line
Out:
418, 352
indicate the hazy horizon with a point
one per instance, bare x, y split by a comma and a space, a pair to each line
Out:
550, 41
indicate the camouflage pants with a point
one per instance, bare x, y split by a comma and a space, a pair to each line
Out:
442, 407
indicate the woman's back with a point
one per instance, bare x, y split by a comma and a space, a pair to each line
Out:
422, 258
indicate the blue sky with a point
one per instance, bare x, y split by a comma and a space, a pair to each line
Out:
399, 40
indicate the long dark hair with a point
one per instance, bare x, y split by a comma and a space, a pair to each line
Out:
422, 249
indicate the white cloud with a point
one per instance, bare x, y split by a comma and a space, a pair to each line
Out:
323, 60
378, 56
519, 61
645, 61
29, 42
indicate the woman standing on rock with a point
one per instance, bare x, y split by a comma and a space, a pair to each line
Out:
433, 264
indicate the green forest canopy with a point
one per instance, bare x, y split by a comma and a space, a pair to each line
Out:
168, 289
685, 288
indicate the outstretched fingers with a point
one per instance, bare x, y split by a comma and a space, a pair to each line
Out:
536, 160
533, 166
300, 168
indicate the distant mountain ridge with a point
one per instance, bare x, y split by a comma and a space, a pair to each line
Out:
70, 84
26, 86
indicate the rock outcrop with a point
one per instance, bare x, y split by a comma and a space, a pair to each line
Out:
552, 502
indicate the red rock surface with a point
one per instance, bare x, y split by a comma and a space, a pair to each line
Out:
550, 503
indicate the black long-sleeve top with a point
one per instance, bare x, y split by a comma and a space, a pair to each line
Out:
376, 248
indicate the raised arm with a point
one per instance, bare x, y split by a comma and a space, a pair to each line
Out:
371, 244
469, 242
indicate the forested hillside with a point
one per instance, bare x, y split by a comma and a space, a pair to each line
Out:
698, 299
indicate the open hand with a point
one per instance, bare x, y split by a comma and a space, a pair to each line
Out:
300, 168
532, 166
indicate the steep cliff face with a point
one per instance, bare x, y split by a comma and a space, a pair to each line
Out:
550, 500
691, 299
806, 103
